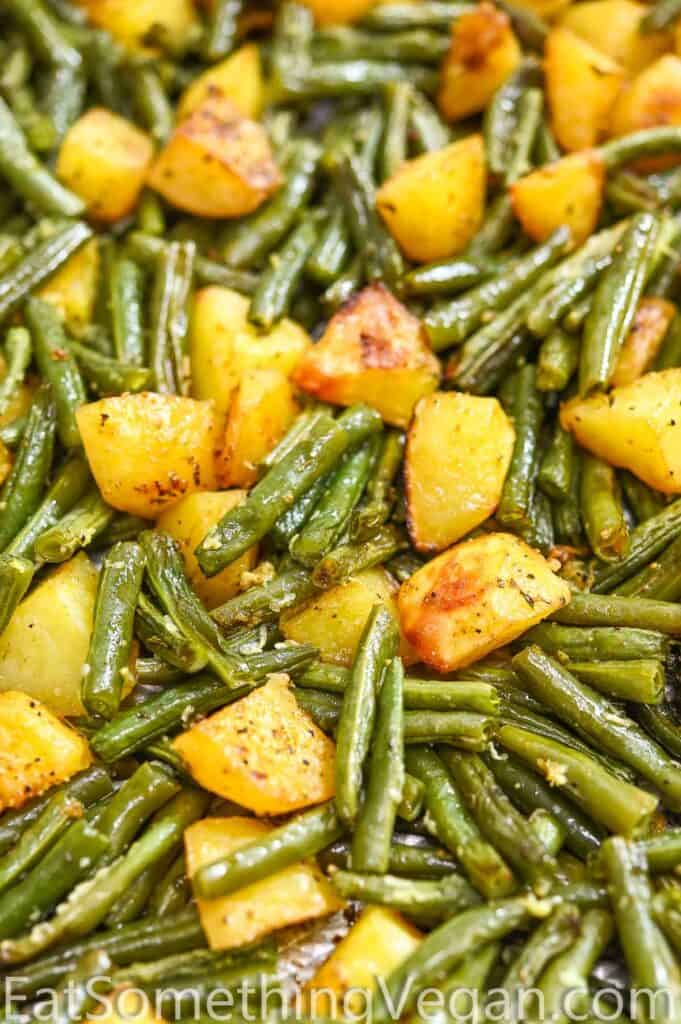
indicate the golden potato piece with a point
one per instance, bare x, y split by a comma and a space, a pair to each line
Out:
298, 893
477, 597
637, 427
375, 351
239, 78
188, 521
6, 462
458, 452
37, 751
546, 9
579, 77
216, 163
644, 340
483, 53
338, 12
612, 26
224, 345
146, 451
433, 205
652, 98
264, 752
569, 191
145, 25
104, 159
73, 289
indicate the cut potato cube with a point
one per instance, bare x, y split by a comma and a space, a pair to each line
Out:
433, 205
375, 351
477, 597
579, 76
378, 942
334, 620
264, 752
338, 12
145, 25
459, 449
260, 414
569, 191
146, 451
104, 159
73, 289
44, 647
6, 462
298, 893
652, 98
644, 340
224, 345
637, 427
216, 163
483, 53
239, 78
612, 26
37, 751
188, 521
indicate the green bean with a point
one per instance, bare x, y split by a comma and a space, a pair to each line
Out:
330, 252
427, 902
21, 493
173, 892
159, 634
394, 151
455, 275
152, 103
434, 14
16, 575
646, 541
501, 117
514, 506
464, 729
222, 32
449, 820
58, 367
602, 512
278, 284
528, 26
639, 681
643, 501
44, 32
19, 350
323, 708
345, 285
425, 124
168, 357
597, 643
146, 249
662, 723
78, 528
264, 602
12, 432
530, 108
145, 792
150, 218
302, 836
660, 580
613, 610
663, 14
126, 291
106, 376
348, 559
81, 987
563, 987
352, 78
669, 354
663, 851
342, 42
664, 140
557, 467
63, 97
380, 492
410, 807
133, 902
406, 859
558, 359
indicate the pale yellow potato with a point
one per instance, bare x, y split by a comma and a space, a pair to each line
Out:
6, 462
73, 289
612, 26
104, 159
476, 597
459, 449
339, 12
567, 192
579, 77
141, 25
37, 750
188, 521
637, 427
239, 78
375, 351
263, 751
298, 893
44, 647
146, 451
644, 340
653, 98
434, 204
224, 345
483, 53
217, 163
548, 10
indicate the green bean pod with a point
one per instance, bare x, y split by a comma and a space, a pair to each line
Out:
58, 367
21, 492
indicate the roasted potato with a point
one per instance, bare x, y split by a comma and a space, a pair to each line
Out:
239, 78
548, 10
476, 597
145, 25
637, 427
569, 191
44, 647
652, 98
264, 752
643, 342
298, 893
217, 163
579, 77
73, 289
338, 12
188, 521
261, 412
375, 351
146, 451
224, 345
612, 26
483, 53
6, 462
434, 203
37, 751
458, 452
104, 159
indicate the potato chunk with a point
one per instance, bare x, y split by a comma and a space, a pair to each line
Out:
147, 450
45, 645
637, 427
264, 751
458, 451
224, 345
37, 751
216, 163
104, 159
612, 26
477, 597
433, 204
145, 25
578, 75
377, 943
483, 53
239, 78
375, 351
73, 289
188, 521
643, 342
6, 462
261, 412
652, 98
298, 893
569, 191
338, 12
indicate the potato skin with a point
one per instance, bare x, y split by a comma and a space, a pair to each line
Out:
483, 53
239, 78
375, 351
569, 191
612, 26
434, 204
147, 450
652, 98
134, 23
643, 342
476, 597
